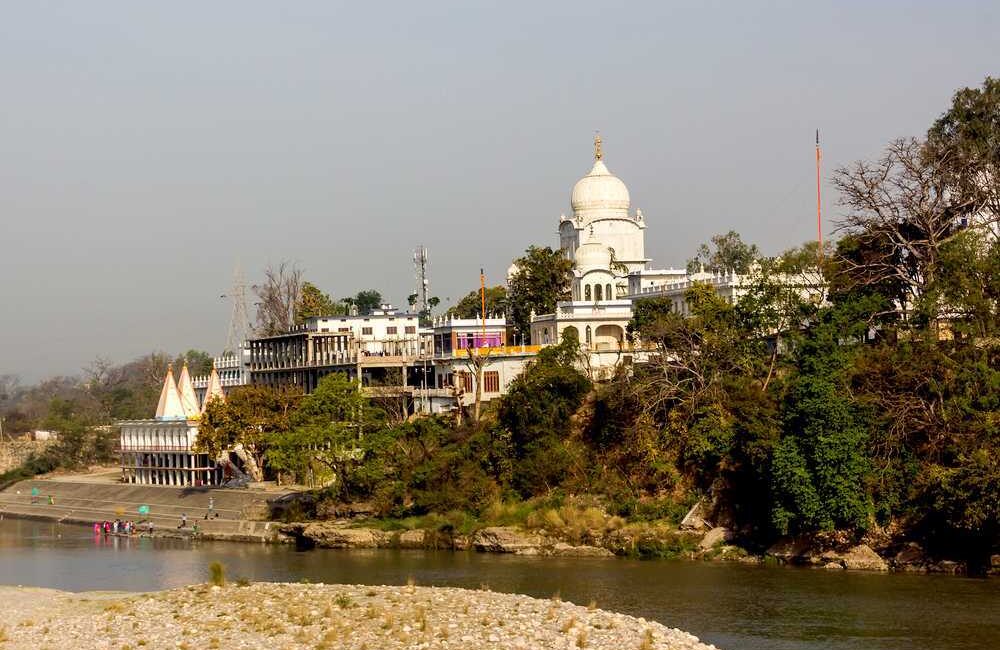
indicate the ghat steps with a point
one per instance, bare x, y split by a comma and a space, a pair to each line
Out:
241, 513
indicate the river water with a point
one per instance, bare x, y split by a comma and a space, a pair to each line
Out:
735, 607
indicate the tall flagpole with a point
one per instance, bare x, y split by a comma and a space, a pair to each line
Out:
819, 203
482, 296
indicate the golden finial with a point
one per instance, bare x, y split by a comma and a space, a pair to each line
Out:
598, 154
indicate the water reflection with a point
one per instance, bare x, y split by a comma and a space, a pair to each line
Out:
733, 606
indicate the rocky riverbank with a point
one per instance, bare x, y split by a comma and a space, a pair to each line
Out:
271, 615
715, 544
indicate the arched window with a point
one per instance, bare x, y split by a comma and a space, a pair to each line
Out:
586, 293
607, 292
597, 292
588, 335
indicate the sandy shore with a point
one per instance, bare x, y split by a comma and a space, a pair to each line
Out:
276, 616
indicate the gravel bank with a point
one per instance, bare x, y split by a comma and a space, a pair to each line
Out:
276, 616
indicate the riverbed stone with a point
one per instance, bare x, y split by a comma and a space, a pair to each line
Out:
325, 535
568, 550
265, 616
412, 539
790, 549
507, 539
717, 535
863, 558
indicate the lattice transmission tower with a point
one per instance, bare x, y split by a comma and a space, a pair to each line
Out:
239, 322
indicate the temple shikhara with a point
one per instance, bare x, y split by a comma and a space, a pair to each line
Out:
160, 451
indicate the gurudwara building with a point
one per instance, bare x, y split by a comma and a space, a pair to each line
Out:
605, 240
161, 451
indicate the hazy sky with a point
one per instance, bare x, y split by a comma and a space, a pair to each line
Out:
146, 149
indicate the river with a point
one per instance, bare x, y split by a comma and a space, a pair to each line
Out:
736, 607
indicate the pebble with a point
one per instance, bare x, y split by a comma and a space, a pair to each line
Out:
269, 616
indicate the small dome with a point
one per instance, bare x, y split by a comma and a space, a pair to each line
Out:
600, 194
592, 255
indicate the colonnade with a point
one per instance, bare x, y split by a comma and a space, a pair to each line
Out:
175, 469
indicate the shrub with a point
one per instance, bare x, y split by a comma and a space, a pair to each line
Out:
217, 574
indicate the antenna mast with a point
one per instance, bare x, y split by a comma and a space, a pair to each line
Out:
420, 265
239, 323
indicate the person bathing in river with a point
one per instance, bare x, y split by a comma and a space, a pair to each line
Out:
211, 507
184, 520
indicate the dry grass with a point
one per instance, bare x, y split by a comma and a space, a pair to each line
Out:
647, 641
329, 641
568, 625
581, 639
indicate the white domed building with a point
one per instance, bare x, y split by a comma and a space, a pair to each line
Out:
606, 243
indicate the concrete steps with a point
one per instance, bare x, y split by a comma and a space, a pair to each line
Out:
240, 512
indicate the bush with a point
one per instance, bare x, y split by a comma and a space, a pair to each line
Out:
217, 574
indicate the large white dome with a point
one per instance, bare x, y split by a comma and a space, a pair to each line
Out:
600, 194
592, 255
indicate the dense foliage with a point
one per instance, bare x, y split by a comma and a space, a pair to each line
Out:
541, 279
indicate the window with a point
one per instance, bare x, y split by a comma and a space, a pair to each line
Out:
491, 381
586, 293
343, 329
597, 292
588, 335
466, 380
607, 292
411, 329
366, 331
390, 330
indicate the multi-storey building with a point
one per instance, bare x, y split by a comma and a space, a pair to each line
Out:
459, 343
232, 368
382, 349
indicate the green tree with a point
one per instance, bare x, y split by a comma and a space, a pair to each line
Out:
967, 136
312, 303
535, 416
199, 362
969, 284
470, 306
726, 252
366, 300
542, 279
251, 417
333, 433
821, 467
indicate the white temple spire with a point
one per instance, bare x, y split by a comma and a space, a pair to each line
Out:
170, 406
189, 400
214, 389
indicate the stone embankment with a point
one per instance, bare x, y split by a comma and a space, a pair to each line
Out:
237, 515
268, 615
493, 539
